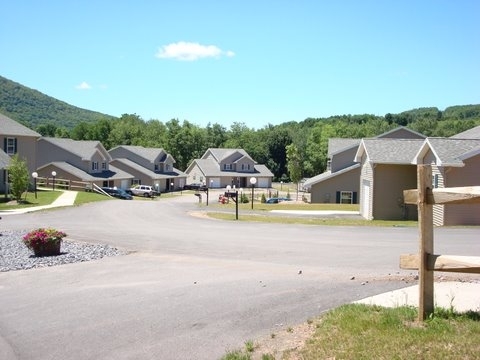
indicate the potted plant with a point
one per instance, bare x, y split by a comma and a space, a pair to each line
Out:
44, 241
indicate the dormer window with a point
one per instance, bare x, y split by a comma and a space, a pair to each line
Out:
156, 167
329, 165
94, 165
104, 166
227, 166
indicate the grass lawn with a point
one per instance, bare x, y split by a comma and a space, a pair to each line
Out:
44, 197
373, 332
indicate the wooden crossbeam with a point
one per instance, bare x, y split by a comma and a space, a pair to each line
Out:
453, 195
446, 263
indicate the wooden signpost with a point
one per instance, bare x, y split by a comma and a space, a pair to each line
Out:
425, 261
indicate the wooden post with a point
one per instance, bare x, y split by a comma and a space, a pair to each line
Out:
425, 225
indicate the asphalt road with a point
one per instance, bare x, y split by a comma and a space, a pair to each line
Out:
193, 288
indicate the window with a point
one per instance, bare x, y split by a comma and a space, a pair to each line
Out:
243, 166
156, 167
167, 167
435, 181
345, 197
248, 166
94, 165
329, 165
104, 166
136, 182
10, 146
227, 166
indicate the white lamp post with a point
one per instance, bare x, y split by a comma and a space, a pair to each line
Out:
35, 175
54, 173
253, 181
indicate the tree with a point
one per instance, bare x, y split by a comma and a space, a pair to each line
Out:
18, 174
294, 164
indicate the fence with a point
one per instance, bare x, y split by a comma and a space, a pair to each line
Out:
64, 184
425, 261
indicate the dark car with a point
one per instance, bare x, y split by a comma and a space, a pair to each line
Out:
194, 186
118, 193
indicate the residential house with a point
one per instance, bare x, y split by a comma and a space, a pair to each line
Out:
218, 168
387, 170
149, 166
84, 163
340, 183
16, 139
455, 163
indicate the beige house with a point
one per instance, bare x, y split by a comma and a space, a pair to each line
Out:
218, 168
148, 166
16, 139
340, 183
79, 161
455, 163
387, 170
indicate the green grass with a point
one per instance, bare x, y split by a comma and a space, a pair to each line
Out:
331, 221
369, 332
285, 205
84, 197
44, 197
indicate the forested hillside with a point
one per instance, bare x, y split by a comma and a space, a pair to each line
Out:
187, 141
32, 108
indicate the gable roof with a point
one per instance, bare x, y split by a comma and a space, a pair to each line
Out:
209, 167
448, 151
112, 174
13, 128
85, 149
388, 151
220, 154
328, 175
150, 154
473, 133
147, 172
337, 145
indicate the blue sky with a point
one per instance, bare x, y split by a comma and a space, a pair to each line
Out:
254, 62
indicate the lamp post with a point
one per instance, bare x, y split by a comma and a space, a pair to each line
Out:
171, 186
253, 181
35, 175
54, 173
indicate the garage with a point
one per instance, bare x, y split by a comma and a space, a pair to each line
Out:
214, 183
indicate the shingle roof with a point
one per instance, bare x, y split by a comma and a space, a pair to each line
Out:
211, 168
4, 159
328, 175
147, 172
113, 173
338, 144
389, 151
473, 133
221, 154
149, 154
451, 152
13, 128
82, 148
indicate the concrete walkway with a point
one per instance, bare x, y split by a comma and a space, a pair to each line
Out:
67, 198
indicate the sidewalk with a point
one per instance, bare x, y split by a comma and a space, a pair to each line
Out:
67, 198
460, 296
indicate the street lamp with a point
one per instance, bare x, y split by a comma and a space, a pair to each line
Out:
171, 186
35, 175
253, 181
54, 173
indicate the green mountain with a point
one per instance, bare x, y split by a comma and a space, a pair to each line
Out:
32, 108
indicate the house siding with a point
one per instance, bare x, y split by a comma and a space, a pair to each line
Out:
48, 152
366, 179
325, 191
469, 175
389, 183
120, 152
343, 160
26, 149
196, 175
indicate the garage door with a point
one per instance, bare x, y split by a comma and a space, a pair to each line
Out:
263, 183
215, 183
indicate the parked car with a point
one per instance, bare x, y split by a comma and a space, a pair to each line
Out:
194, 186
143, 190
118, 193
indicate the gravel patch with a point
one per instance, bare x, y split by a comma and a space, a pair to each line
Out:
14, 255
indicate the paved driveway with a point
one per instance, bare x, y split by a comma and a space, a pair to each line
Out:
192, 287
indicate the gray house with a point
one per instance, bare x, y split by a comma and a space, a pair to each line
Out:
340, 183
148, 166
16, 139
80, 162
387, 170
218, 168
455, 163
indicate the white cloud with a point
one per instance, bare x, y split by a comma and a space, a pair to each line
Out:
188, 51
83, 86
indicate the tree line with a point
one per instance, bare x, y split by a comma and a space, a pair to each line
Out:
307, 140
